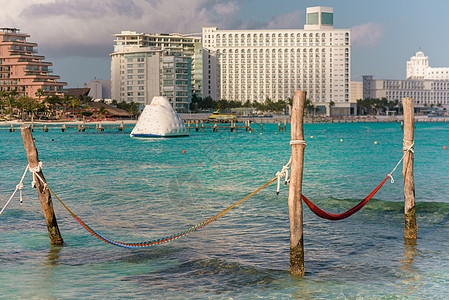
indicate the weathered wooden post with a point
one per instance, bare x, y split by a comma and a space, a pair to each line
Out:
411, 229
44, 194
294, 193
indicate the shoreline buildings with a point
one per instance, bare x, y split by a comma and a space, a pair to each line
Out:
146, 65
427, 86
258, 64
22, 70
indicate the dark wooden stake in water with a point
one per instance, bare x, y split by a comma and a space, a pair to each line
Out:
411, 229
44, 194
294, 192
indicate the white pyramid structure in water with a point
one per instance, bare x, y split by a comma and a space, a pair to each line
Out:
159, 119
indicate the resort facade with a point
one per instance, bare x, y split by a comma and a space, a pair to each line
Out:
424, 92
258, 64
22, 70
147, 65
426, 85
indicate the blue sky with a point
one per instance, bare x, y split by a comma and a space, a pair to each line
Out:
76, 35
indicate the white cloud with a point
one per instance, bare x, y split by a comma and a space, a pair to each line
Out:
288, 21
86, 27
367, 35
66, 27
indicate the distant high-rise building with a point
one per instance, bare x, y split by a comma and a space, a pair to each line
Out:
258, 64
21, 69
145, 65
418, 68
99, 89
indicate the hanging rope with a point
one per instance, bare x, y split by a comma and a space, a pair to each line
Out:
19, 188
161, 240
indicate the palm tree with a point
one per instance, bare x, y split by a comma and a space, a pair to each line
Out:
74, 103
12, 95
102, 111
28, 104
39, 93
3, 96
52, 101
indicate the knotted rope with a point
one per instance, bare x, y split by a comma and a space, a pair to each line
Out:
281, 174
19, 188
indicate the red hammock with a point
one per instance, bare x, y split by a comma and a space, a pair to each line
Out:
333, 217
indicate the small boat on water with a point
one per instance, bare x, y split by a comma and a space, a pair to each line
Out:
221, 118
159, 119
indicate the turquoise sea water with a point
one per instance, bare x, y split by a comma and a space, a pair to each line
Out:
135, 190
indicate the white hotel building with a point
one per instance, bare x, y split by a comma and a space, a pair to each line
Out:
258, 64
145, 65
427, 86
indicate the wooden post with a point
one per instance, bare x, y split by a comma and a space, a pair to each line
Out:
44, 194
411, 229
294, 192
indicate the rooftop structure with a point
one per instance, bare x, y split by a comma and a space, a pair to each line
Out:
418, 68
21, 69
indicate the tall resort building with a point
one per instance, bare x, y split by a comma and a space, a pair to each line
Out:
258, 64
147, 65
21, 69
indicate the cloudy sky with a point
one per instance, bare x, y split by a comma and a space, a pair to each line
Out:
77, 35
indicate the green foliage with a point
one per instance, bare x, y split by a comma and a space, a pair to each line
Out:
374, 106
208, 103
131, 107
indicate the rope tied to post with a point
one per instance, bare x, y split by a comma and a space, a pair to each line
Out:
34, 171
406, 149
